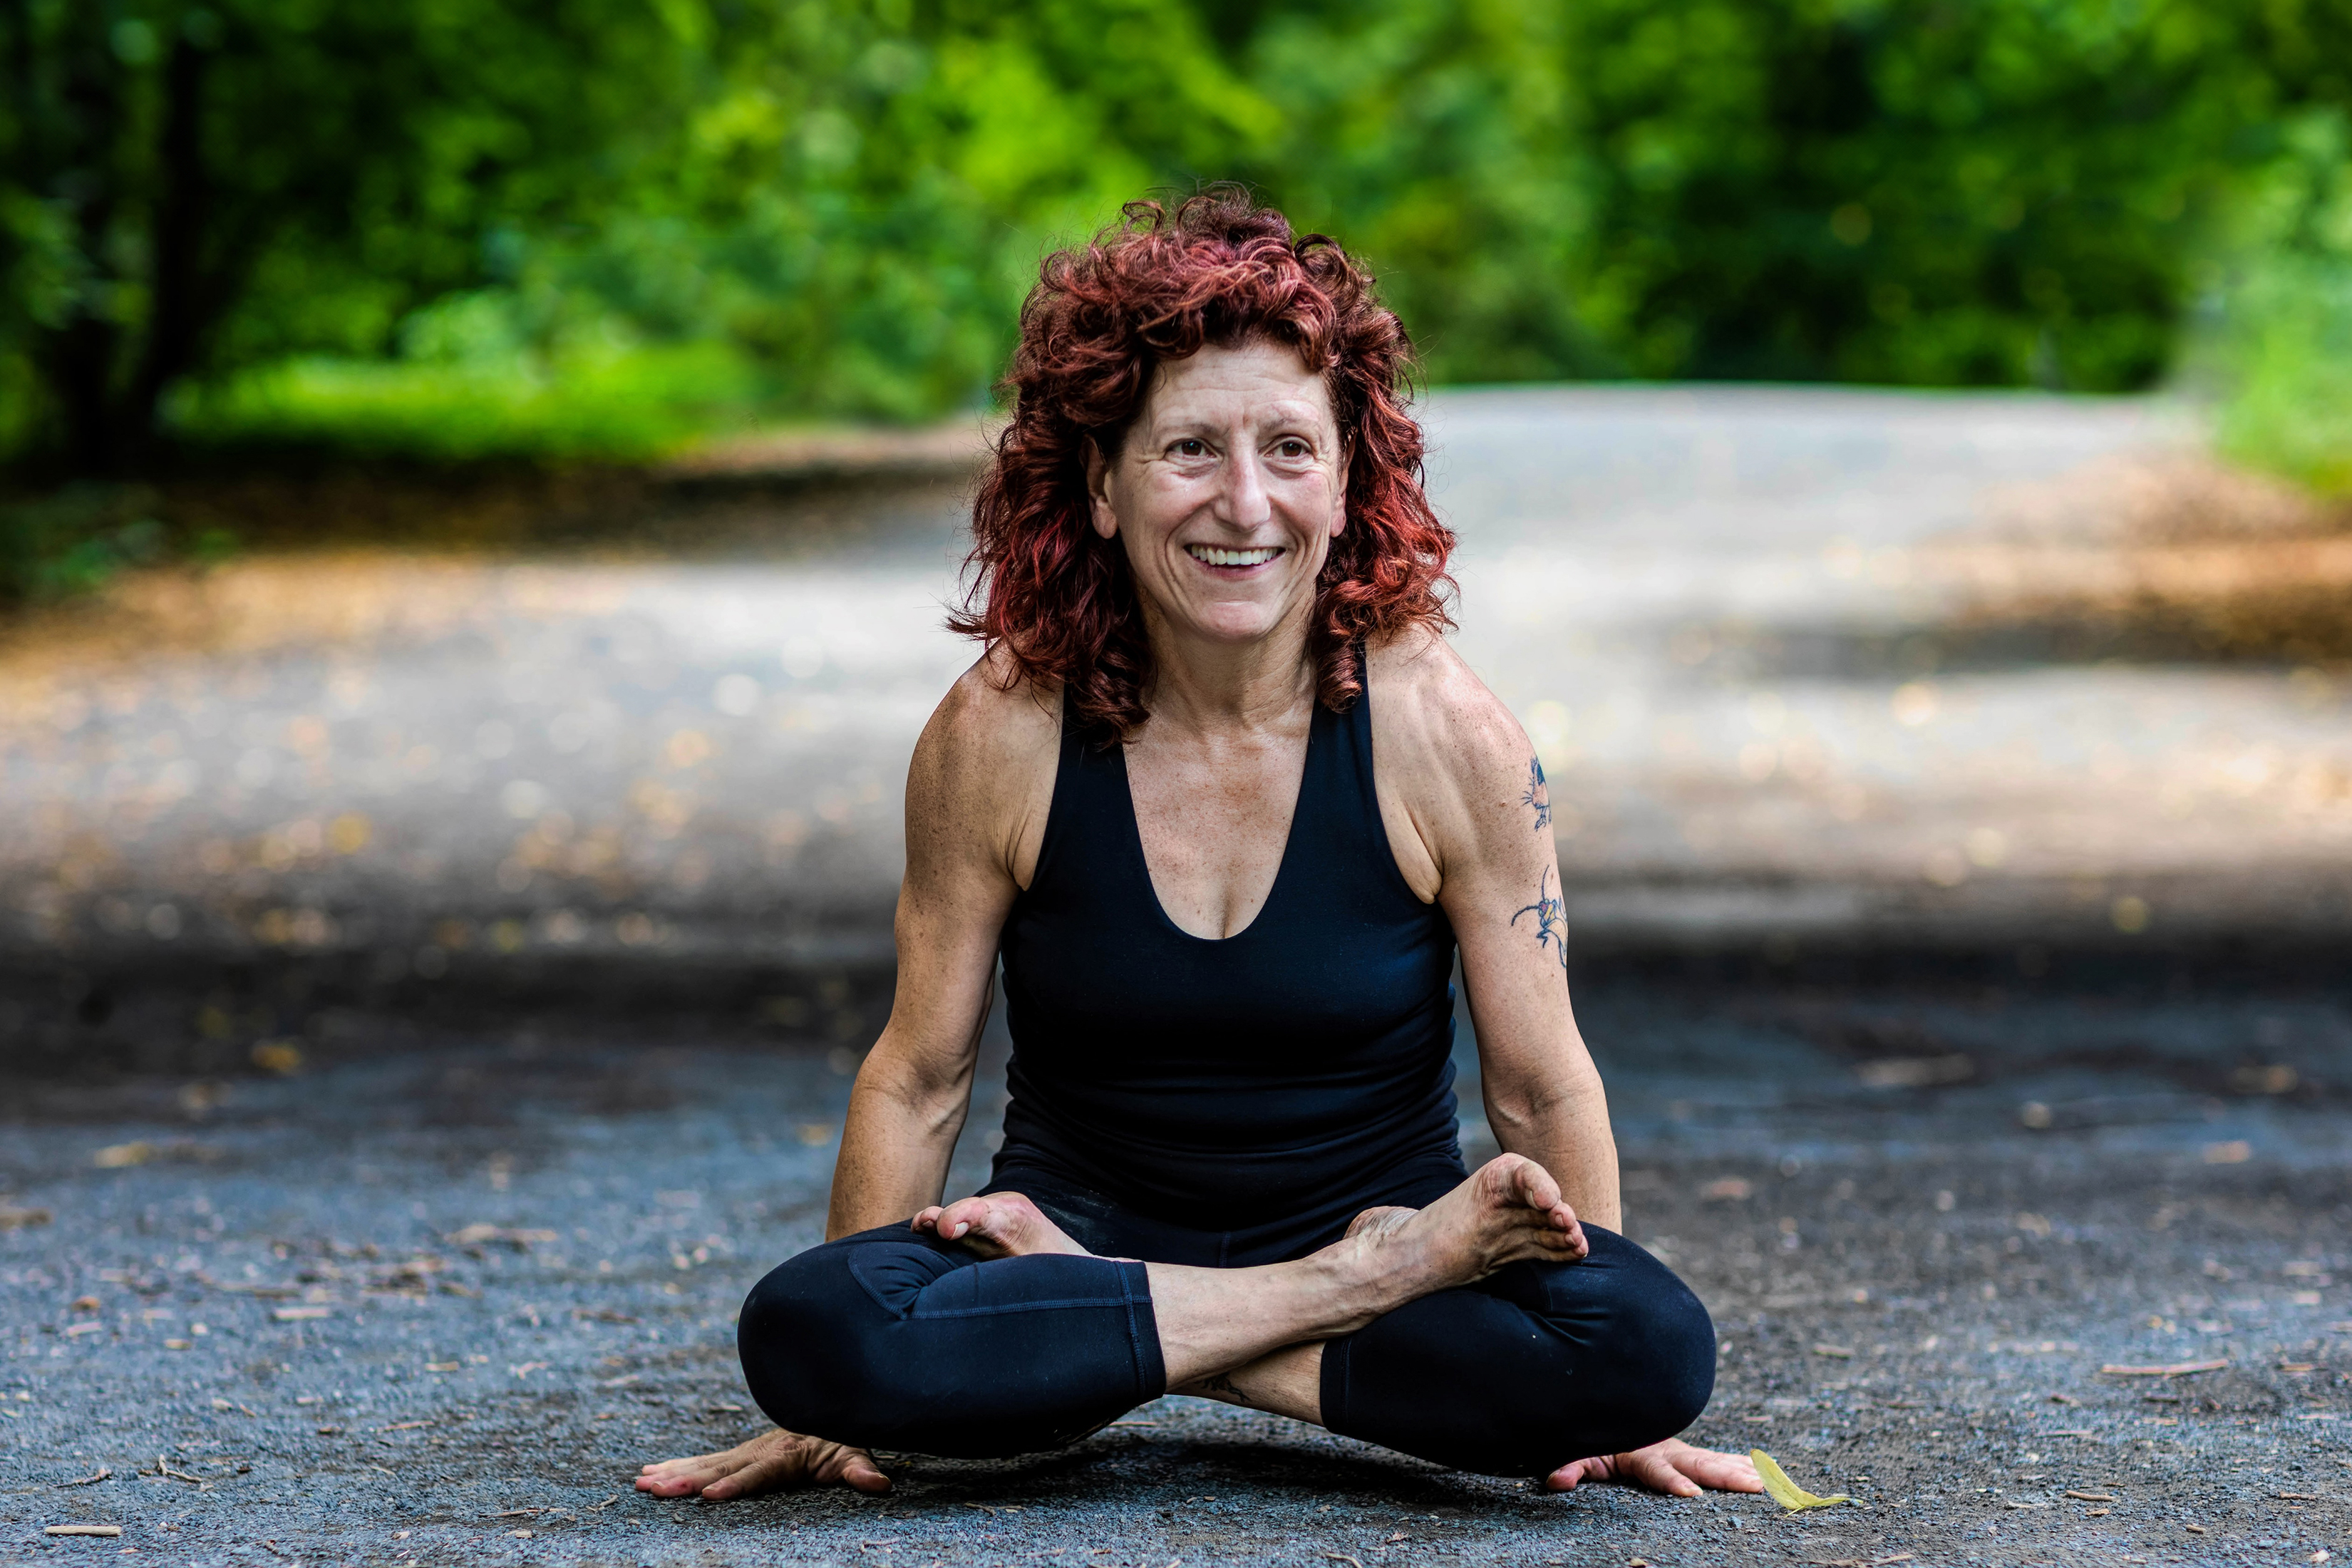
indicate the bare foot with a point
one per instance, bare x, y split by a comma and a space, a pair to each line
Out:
767, 1463
1509, 1211
1001, 1225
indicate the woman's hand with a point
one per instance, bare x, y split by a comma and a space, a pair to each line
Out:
1673, 1466
767, 1463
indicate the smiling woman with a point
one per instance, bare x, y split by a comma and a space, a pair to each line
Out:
1206, 578
1107, 322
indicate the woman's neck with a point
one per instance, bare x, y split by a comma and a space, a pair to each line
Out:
1203, 685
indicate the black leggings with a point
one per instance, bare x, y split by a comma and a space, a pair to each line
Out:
892, 1339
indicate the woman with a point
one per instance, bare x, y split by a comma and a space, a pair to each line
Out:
1207, 584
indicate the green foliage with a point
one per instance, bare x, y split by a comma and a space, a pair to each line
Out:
624, 403
460, 228
73, 539
2285, 338
185, 187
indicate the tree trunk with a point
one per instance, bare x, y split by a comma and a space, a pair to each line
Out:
182, 298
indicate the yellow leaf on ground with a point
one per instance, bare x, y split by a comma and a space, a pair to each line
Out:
1784, 1490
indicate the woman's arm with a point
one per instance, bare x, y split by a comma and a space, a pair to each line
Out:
977, 794
1460, 780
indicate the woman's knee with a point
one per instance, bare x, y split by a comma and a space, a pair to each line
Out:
1656, 1367
811, 1334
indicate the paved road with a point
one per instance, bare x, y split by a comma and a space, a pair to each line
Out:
1719, 613
433, 1298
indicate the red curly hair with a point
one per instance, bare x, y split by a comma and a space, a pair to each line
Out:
1158, 286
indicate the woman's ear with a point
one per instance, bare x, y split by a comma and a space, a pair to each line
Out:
1347, 468
1098, 507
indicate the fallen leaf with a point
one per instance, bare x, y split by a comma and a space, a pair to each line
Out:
121, 1156
1842, 1353
520, 1240
2173, 1369
1784, 1490
108, 1530
283, 1057
1915, 1072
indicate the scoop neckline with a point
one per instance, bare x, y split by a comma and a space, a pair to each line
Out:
1281, 869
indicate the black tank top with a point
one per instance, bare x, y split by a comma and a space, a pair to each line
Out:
1223, 1083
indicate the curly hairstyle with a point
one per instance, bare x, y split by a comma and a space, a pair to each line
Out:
1158, 285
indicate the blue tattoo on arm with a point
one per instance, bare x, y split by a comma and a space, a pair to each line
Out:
1551, 921
1538, 795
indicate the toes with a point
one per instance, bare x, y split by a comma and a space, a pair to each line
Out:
1533, 1186
963, 1217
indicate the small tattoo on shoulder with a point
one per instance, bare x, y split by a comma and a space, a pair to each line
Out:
1551, 920
1538, 795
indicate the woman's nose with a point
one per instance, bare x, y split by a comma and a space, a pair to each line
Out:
1245, 503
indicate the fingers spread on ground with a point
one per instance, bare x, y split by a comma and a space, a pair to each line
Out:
861, 1473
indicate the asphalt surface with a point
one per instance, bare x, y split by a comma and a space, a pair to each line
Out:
435, 1294
1729, 619
429, 985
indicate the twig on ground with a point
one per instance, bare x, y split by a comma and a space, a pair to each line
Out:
89, 1480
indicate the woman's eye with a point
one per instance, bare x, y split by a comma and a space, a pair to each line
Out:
1292, 447
1191, 448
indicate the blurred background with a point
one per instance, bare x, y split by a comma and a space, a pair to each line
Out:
482, 480
480, 485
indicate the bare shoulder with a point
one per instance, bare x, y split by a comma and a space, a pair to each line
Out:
983, 775
1435, 719
1457, 781
991, 717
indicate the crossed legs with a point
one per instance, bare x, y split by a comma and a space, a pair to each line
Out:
898, 1338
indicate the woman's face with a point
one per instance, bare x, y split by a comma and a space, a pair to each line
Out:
1227, 492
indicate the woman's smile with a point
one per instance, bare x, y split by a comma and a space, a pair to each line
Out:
1232, 562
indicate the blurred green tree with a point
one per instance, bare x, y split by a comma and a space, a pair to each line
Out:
460, 226
184, 186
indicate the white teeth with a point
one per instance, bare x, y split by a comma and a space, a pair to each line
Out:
1210, 556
